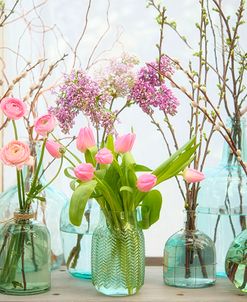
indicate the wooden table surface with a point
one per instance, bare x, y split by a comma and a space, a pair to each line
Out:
66, 288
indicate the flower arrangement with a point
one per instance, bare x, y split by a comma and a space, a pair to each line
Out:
15, 243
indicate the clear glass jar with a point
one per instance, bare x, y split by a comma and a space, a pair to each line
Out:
236, 262
25, 256
189, 257
222, 199
77, 241
118, 254
47, 212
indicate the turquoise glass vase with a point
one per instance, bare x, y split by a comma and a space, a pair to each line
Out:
236, 262
47, 212
77, 241
189, 257
118, 254
25, 256
222, 199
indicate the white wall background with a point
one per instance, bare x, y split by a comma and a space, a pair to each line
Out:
138, 35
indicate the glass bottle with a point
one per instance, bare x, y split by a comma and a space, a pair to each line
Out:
189, 257
222, 199
77, 241
118, 254
236, 262
25, 256
47, 212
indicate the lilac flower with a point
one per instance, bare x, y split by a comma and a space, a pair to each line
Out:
150, 89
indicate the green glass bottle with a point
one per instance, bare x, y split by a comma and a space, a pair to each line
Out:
236, 262
25, 256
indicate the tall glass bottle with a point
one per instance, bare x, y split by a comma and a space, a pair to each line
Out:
222, 199
47, 212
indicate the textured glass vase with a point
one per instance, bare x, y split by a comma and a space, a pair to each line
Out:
118, 255
222, 210
47, 212
77, 241
236, 262
25, 256
189, 258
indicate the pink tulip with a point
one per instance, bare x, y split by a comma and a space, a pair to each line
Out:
13, 108
53, 148
191, 175
45, 124
85, 139
104, 156
146, 182
84, 172
125, 143
16, 153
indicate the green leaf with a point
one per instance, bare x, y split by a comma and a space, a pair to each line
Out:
67, 174
110, 143
150, 208
90, 155
78, 201
126, 188
141, 168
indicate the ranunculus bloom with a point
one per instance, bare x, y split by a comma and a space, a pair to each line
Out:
45, 124
85, 139
104, 156
191, 175
16, 153
84, 172
13, 108
53, 148
125, 143
146, 182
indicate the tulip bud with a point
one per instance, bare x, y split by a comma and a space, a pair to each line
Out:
146, 182
191, 175
53, 148
85, 139
104, 156
84, 172
125, 143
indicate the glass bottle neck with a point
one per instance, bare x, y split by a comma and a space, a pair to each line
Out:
239, 137
118, 219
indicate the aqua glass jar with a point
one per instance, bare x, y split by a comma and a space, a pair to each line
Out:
236, 262
77, 241
118, 254
189, 257
47, 212
25, 256
222, 199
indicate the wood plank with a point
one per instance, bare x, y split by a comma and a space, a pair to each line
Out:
66, 288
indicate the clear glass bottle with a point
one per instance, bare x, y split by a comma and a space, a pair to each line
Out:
222, 210
236, 262
118, 254
47, 212
25, 256
189, 257
77, 241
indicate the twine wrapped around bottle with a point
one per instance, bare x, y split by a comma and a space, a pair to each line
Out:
19, 216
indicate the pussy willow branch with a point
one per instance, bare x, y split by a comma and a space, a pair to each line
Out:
9, 14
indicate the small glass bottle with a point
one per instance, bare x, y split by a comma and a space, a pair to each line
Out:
189, 257
77, 241
25, 256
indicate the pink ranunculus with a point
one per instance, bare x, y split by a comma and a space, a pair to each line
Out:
85, 139
84, 172
125, 143
45, 124
191, 175
53, 148
13, 108
146, 182
104, 156
16, 153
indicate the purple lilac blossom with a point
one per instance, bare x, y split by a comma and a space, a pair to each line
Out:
150, 89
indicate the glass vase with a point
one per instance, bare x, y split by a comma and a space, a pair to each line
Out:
236, 262
77, 241
25, 256
47, 212
222, 210
189, 257
118, 254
